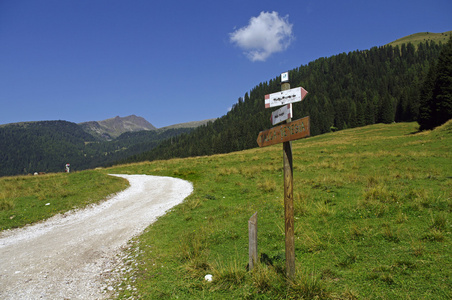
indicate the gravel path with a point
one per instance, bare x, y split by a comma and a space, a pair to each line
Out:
67, 256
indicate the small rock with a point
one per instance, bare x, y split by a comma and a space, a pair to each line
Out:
208, 277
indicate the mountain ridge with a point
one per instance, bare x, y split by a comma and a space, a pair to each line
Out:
192, 124
112, 128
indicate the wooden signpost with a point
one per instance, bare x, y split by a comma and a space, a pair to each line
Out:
285, 134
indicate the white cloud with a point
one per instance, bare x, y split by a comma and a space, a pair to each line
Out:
266, 34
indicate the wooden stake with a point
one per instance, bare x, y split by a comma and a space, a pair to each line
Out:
252, 240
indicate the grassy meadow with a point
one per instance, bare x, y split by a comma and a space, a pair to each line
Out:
417, 38
372, 220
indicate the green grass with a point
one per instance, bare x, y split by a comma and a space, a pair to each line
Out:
417, 38
372, 220
29, 199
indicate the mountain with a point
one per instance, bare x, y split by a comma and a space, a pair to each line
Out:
112, 128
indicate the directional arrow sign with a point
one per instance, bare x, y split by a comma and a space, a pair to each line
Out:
284, 133
282, 114
285, 97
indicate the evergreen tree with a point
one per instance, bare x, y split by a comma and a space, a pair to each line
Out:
427, 108
442, 91
361, 120
436, 95
386, 110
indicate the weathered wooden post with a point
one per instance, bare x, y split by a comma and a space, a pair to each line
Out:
252, 240
291, 130
288, 198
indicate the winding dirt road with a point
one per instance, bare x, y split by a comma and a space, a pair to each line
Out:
65, 256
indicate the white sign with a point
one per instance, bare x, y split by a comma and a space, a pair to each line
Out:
285, 97
285, 77
282, 114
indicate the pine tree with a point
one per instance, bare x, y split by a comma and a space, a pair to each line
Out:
386, 110
442, 91
436, 94
361, 120
427, 108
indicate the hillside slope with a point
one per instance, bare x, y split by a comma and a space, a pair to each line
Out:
379, 85
422, 37
372, 220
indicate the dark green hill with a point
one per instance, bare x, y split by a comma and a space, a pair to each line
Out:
379, 85
44, 146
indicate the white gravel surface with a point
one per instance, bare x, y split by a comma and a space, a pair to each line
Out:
70, 256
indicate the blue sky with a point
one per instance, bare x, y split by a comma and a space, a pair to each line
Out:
178, 61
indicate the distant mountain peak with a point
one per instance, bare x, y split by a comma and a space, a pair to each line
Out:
111, 128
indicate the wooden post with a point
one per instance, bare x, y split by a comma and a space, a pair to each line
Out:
252, 238
285, 134
288, 202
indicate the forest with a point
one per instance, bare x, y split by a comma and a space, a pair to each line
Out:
47, 146
379, 85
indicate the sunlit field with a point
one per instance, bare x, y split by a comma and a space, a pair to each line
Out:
372, 218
